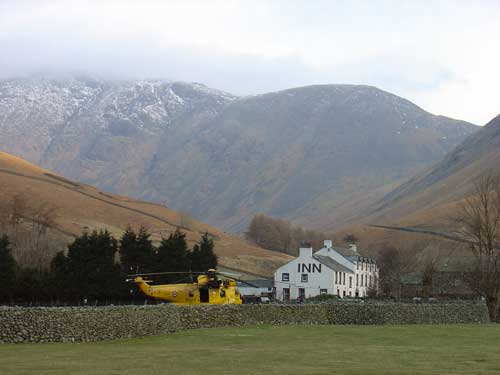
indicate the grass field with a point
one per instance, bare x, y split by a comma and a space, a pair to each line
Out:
457, 349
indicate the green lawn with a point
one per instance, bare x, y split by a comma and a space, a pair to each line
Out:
284, 350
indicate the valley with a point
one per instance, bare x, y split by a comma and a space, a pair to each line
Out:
318, 156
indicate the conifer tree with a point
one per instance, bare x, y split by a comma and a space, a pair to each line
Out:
136, 251
203, 257
59, 276
172, 256
7, 269
91, 267
32, 285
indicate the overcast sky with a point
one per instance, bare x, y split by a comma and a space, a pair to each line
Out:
442, 55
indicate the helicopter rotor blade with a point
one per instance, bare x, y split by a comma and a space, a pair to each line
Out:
166, 273
246, 282
229, 274
237, 279
131, 280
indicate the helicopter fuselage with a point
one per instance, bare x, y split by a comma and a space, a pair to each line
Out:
205, 291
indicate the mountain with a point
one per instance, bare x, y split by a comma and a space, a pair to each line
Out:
317, 155
421, 210
451, 179
79, 206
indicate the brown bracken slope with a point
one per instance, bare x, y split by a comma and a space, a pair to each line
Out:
429, 201
80, 206
451, 179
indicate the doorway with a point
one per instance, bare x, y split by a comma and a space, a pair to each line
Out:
204, 295
286, 294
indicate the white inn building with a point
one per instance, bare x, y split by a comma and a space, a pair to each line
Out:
341, 272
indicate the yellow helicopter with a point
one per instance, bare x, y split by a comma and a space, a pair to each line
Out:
208, 289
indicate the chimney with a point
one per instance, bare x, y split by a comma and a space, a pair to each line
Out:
353, 247
305, 250
327, 244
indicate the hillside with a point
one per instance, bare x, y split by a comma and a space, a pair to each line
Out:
316, 155
449, 180
80, 206
429, 200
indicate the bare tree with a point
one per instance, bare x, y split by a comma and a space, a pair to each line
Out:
28, 227
429, 259
43, 218
16, 211
391, 269
280, 235
479, 224
394, 263
185, 221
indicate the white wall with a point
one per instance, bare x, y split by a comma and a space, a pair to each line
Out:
368, 273
319, 277
322, 277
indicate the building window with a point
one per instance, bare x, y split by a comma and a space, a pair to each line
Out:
338, 292
343, 273
323, 291
350, 294
302, 294
304, 278
370, 281
357, 280
343, 293
350, 281
357, 265
285, 277
286, 294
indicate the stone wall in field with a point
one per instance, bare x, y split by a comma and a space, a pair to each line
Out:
62, 324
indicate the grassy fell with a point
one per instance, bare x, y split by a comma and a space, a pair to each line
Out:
80, 206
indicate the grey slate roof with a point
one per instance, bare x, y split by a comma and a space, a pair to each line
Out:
351, 255
332, 264
258, 283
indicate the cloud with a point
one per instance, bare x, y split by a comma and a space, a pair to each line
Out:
439, 54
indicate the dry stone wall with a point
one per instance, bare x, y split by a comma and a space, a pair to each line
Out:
63, 324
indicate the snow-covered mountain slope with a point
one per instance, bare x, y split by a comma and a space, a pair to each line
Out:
38, 113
